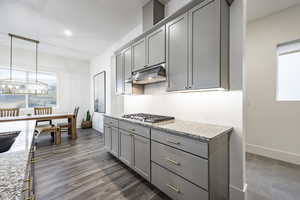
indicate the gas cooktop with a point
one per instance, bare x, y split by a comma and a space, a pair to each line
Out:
147, 117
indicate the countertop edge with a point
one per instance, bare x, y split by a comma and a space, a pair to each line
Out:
172, 131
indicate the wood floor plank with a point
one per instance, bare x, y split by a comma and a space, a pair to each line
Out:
82, 170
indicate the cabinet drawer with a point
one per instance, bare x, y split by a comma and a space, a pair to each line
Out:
135, 128
192, 168
111, 122
174, 186
190, 145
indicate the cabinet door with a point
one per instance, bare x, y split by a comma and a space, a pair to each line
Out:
204, 24
115, 141
107, 138
141, 161
126, 147
127, 58
177, 53
139, 54
119, 74
156, 46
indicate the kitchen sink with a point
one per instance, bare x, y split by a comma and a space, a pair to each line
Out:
7, 139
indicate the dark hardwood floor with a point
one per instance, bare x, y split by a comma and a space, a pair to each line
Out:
83, 170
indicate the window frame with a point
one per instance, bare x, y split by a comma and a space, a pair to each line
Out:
27, 71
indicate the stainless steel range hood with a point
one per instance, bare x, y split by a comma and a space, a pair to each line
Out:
149, 75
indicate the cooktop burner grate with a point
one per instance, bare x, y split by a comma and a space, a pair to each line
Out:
148, 117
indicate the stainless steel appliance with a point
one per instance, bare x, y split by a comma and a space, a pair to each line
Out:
148, 117
149, 75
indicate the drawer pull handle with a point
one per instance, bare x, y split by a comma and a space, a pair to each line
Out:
173, 142
132, 129
110, 122
24, 190
173, 188
28, 180
172, 161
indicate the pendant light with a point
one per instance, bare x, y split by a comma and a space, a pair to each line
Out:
13, 86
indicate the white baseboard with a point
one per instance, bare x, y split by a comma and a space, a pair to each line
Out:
237, 193
274, 153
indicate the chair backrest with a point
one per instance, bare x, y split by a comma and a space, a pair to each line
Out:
76, 111
43, 111
9, 112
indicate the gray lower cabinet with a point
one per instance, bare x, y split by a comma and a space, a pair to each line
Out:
141, 152
156, 46
126, 144
107, 137
115, 141
174, 186
139, 54
119, 74
184, 164
177, 53
182, 167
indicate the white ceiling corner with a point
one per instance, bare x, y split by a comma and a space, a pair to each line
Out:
261, 8
95, 24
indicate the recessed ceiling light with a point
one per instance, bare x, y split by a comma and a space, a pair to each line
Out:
68, 33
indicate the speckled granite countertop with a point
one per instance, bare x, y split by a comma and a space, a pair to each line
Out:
13, 163
191, 129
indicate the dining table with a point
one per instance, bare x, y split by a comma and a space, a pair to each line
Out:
69, 116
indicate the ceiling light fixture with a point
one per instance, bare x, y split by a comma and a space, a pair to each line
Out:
12, 86
68, 33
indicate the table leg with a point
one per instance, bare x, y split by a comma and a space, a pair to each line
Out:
57, 136
70, 127
73, 127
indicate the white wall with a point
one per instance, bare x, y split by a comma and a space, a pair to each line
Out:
73, 78
272, 127
224, 108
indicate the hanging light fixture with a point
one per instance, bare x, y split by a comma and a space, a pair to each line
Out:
12, 86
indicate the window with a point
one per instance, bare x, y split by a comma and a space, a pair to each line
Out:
288, 72
30, 101
12, 101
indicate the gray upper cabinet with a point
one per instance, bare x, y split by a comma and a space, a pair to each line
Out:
107, 137
141, 161
126, 144
127, 59
205, 48
139, 54
177, 53
194, 44
119, 74
156, 46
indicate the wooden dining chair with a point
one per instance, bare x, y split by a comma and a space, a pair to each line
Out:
47, 128
9, 112
43, 111
66, 126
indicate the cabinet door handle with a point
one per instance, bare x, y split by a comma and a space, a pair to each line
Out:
173, 187
173, 142
172, 161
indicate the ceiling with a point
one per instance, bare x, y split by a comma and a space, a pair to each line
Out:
261, 8
95, 24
